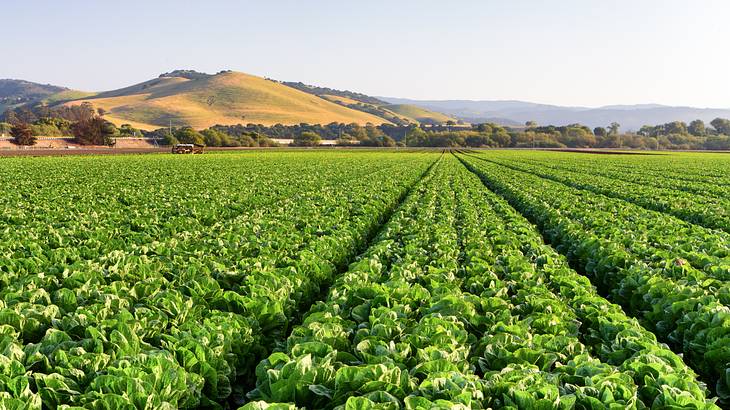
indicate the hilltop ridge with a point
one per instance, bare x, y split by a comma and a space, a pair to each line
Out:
186, 97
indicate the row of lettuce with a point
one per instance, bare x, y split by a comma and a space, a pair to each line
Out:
459, 304
670, 274
159, 282
705, 174
705, 204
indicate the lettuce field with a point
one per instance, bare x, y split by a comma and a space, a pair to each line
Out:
365, 280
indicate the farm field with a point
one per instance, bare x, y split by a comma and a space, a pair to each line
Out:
365, 280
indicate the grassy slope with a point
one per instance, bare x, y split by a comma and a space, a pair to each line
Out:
60, 96
340, 99
227, 98
67, 95
417, 113
411, 112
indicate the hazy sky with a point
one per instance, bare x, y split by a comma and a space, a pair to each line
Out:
572, 52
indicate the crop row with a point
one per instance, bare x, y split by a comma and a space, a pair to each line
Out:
673, 179
459, 304
712, 211
682, 249
177, 321
634, 256
98, 205
704, 174
685, 167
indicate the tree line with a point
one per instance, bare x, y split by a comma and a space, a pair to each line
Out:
89, 127
86, 124
674, 135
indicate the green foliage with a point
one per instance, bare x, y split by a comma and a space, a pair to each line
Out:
306, 139
483, 135
378, 141
697, 128
459, 304
721, 126
363, 280
346, 139
216, 138
187, 135
127, 130
176, 293
45, 130
670, 274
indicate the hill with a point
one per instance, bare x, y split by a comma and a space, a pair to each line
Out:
14, 93
631, 117
397, 114
201, 100
419, 114
350, 95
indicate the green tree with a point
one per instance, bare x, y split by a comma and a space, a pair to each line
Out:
346, 139
387, 141
169, 139
416, 137
217, 138
531, 124
600, 132
675, 127
485, 128
126, 130
163, 136
46, 130
647, 131
501, 137
373, 132
245, 141
697, 128
307, 139
478, 140
212, 138
721, 125
187, 135
23, 134
357, 131
614, 128
576, 137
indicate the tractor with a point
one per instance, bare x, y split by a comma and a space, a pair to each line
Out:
188, 149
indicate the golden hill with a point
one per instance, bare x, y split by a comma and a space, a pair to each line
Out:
420, 115
226, 98
392, 112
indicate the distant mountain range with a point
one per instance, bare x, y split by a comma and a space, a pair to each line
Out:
201, 100
516, 113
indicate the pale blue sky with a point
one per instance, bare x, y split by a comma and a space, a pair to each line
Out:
572, 52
